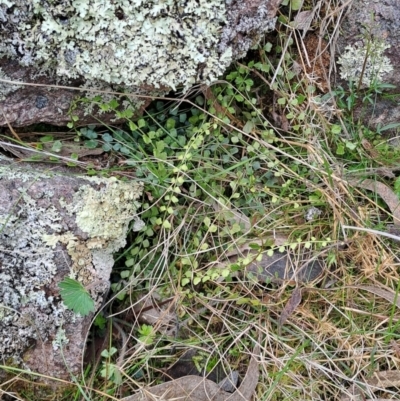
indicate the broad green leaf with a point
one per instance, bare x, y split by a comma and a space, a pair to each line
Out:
296, 4
91, 144
76, 297
142, 123
108, 353
107, 137
57, 146
166, 224
46, 138
336, 129
132, 126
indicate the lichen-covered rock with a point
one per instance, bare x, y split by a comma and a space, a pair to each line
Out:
159, 43
374, 25
53, 225
156, 44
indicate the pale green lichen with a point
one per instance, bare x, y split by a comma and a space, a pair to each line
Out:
106, 213
103, 215
367, 59
61, 339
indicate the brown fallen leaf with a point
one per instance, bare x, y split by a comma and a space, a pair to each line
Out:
386, 294
159, 313
277, 268
303, 20
384, 379
395, 347
379, 381
70, 147
195, 388
389, 197
291, 305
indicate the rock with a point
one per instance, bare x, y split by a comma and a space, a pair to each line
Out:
55, 224
285, 267
140, 47
381, 21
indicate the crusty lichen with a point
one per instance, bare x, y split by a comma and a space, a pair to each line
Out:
134, 43
105, 213
27, 264
6, 88
160, 43
36, 246
367, 59
247, 22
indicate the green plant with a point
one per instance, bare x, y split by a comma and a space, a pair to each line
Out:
75, 296
146, 334
109, 370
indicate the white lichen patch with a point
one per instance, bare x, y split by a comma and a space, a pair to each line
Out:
157, 43
6, 88
61, 339
367, 59
27, 265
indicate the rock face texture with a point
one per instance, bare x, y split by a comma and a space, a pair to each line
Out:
53, 225
379, 20
140, 47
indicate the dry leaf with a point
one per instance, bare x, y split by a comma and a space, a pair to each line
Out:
389, 197
195, 388
303, 20
160, 314
290, 307
234, 214
384, 379
70, 147
277, 267
388, 295
380, 381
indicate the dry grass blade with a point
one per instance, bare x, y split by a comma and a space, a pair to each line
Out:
370, 230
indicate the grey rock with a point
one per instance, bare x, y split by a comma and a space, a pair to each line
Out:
55, 224
283, 267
